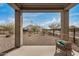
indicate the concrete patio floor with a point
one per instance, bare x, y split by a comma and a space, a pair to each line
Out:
36, 51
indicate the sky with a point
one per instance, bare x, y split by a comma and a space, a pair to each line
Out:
7, 15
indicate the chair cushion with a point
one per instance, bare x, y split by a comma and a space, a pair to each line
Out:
60, 42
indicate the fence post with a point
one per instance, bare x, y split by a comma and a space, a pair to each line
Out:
74, 34
53, 32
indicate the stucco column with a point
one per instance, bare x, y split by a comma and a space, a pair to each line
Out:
21, 29
18, 29
65, 25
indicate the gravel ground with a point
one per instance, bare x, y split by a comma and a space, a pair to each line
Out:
37, 39
30, 39
6, 43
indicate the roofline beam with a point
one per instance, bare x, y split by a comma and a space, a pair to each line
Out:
13, 5
33, 11
41, 9
69, 6
37, 8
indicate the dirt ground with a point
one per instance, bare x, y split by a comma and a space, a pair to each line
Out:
31, 39
38, 39
6, 43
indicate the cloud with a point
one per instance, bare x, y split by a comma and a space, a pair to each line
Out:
74, 14
47, 23
45, 20
11, 20
54, 20
26, 22
74, 23
2, 22
25, 15
7, 21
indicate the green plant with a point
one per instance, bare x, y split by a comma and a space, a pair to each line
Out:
34, 29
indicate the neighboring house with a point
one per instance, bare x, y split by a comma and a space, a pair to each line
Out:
31, 27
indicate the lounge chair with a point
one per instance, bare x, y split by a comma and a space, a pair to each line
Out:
64, 46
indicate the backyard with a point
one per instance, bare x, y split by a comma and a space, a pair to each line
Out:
34, 29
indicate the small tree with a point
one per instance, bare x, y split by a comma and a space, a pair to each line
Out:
34, 29
54, 26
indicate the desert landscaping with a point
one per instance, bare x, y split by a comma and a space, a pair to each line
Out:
33, 35
34, 29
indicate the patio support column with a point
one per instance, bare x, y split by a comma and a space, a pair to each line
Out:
65, 25
18, 29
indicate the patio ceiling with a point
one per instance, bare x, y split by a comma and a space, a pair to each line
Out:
42, 6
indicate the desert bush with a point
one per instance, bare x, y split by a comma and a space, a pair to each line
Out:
34, 29
8, 27
54, 26
43, 32
49, 33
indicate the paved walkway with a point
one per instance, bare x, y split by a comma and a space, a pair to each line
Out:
35, 51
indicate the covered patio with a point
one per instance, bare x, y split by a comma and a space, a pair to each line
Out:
63, 8
20, 8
